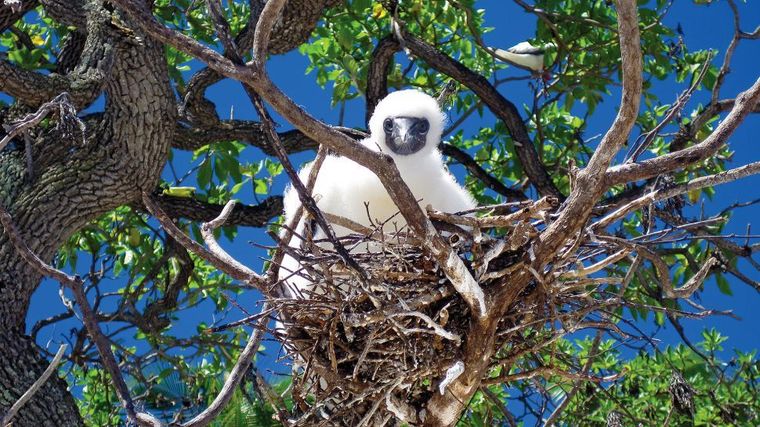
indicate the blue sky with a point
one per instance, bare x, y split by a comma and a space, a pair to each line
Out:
704, 27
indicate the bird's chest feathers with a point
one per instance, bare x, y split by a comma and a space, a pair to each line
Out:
364, 199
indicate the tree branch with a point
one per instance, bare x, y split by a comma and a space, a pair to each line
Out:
242, 215
254, 341
478, 172
33, 89
377, 73
724, 68
294, 141
235, 376
667, 193
244, 274
60, 104
150, 320
287, 235
688, 132
577, 383
68, 12
84, 84
745, 103
446, 409
8, 417
590, 183
500, 106
221, 26
207, 231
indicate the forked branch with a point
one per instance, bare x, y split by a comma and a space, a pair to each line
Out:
254, 75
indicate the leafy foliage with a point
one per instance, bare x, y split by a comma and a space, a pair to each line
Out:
128, 259
725, 387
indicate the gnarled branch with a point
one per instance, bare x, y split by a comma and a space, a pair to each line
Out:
499, 106
242, 215
377, 73
84, 84
590, 182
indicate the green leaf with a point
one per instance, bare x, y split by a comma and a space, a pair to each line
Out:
723, 285
179, 191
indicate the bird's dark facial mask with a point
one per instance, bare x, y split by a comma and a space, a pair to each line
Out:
405, 135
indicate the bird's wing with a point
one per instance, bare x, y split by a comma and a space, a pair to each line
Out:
525, 48
529, 62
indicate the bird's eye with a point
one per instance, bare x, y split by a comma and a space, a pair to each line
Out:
388, 125
424, 126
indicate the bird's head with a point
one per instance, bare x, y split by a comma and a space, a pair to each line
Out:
407, 122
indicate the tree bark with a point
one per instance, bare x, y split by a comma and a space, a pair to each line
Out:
74, 182
21, 366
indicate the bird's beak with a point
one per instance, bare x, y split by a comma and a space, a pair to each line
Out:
408, 135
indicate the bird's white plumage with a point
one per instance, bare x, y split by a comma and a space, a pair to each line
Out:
525, 48
343, 187
524, 55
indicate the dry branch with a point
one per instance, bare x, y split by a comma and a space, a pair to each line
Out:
415, 329
235, 270
745, 103
666, 193
76, 285
235, 376
7, 419
60, 104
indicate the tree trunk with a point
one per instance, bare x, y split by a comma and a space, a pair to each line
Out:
21, 365
74, 183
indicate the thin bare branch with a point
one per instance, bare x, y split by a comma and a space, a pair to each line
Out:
76, 285
222, 26
7, 419
666, 193
745, 103
235, 376
590, 182
287, 234
60, 104
207, 231
638, 148
694, 283
243, 274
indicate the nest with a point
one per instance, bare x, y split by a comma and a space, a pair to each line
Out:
353, 339
369, 350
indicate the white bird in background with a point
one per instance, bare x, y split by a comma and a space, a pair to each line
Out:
407, 125
524, 55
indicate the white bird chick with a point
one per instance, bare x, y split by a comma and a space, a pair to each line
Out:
407, 125
524, 55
